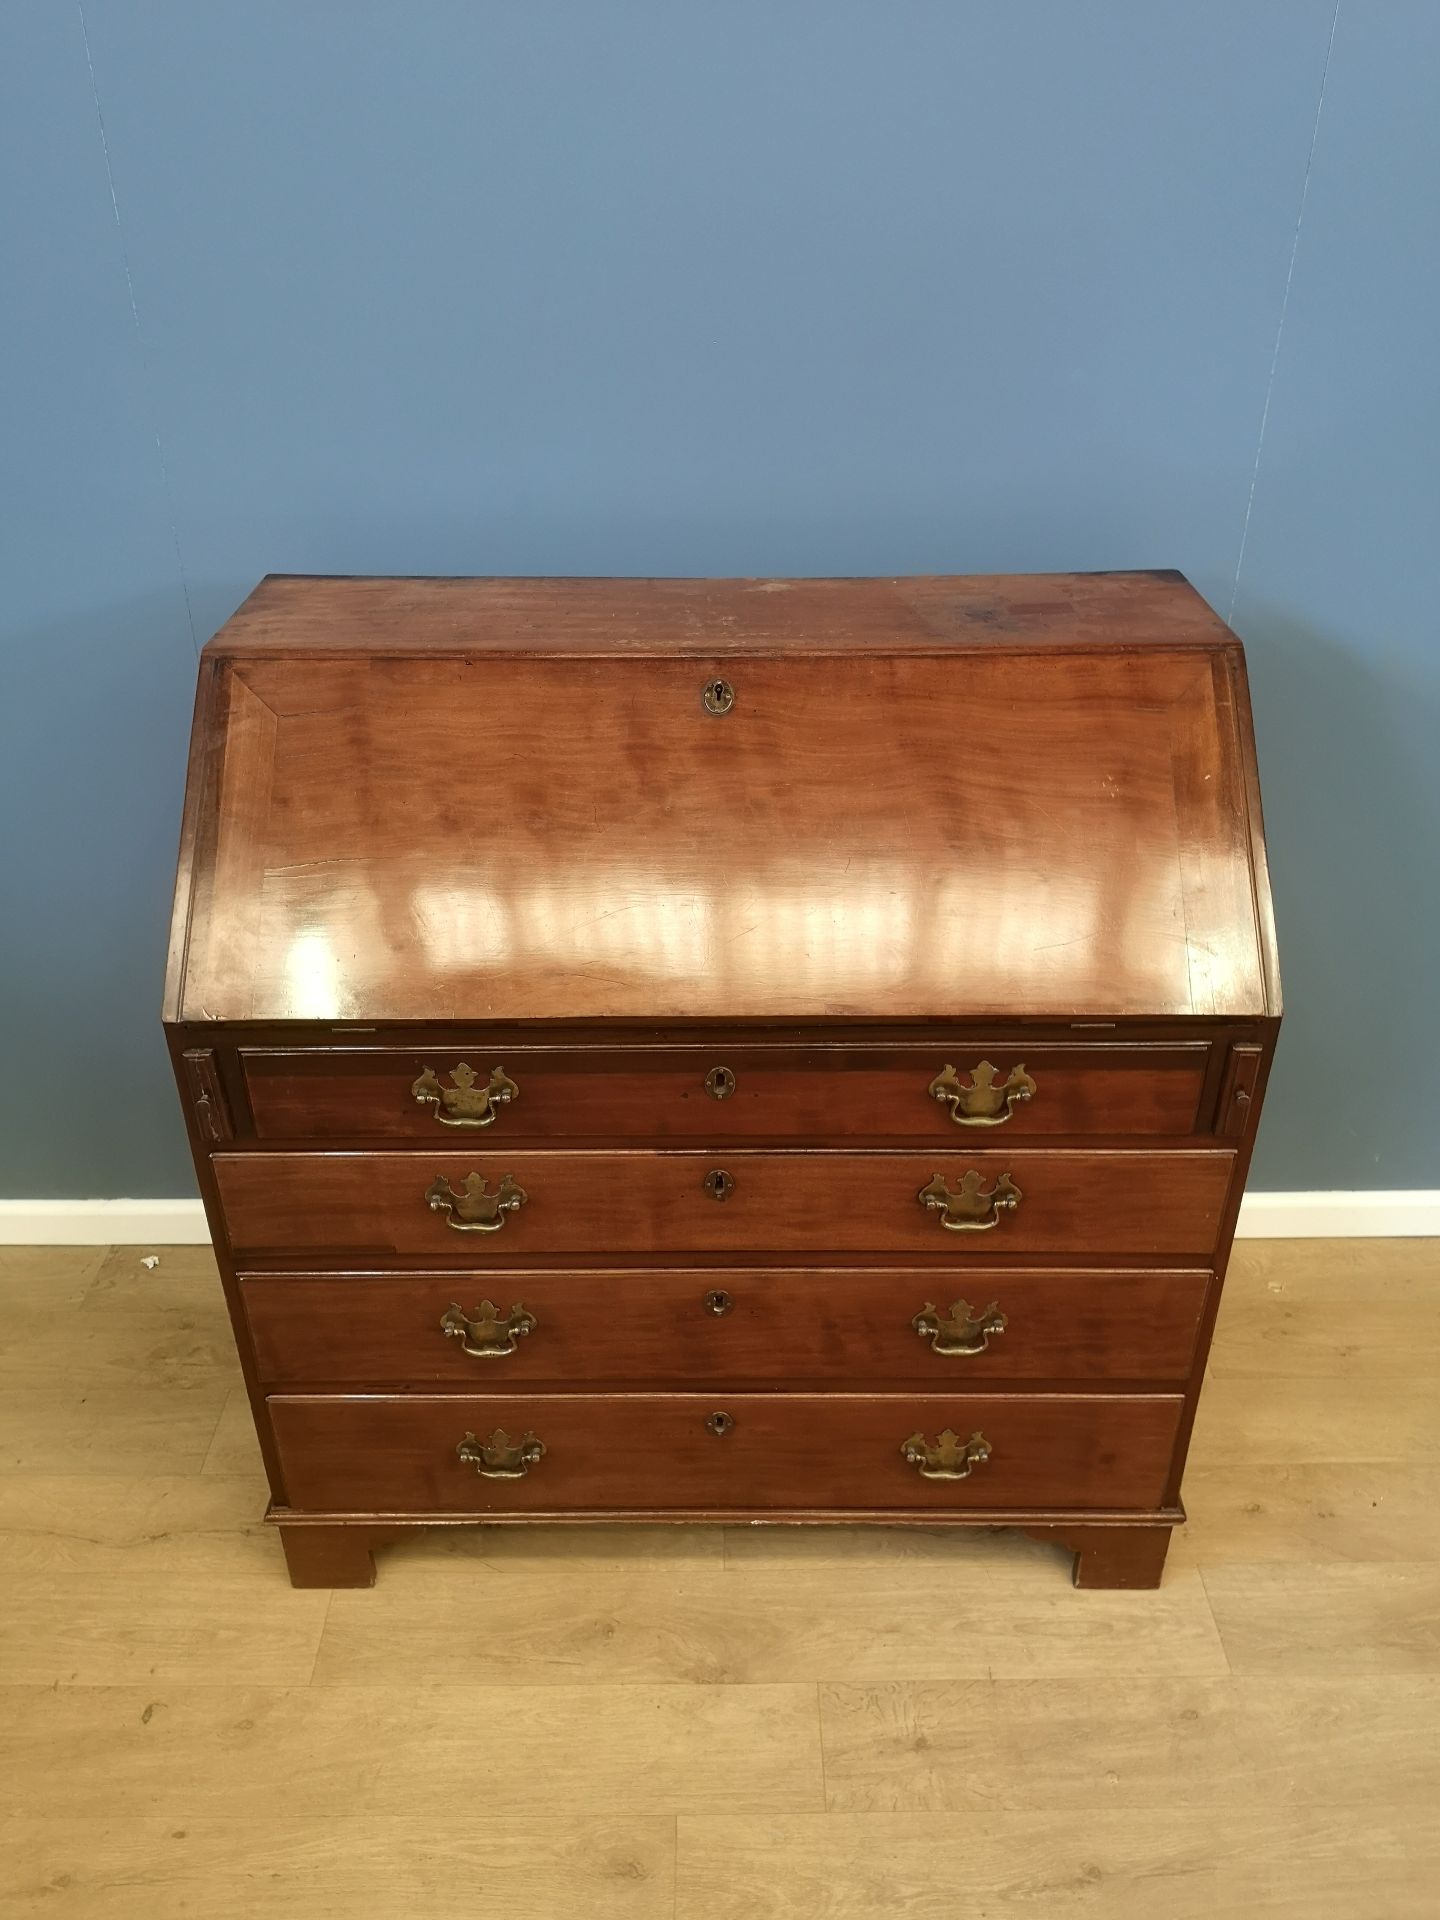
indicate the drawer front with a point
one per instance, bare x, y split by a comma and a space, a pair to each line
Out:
781, 1451
1167, 1205
727, 1093
743, 1326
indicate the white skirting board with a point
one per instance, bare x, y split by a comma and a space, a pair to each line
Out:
1410, 1213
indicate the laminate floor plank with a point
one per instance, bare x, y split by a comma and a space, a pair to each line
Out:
130, 1326
80, 1427
152, 1524
1146, 1744
1315, 1513
1308, 1620
714, 1628
122, 1629
51, 1277
260, 1753
1330, 1308
424, 1867
1343, 1419
1332, 1863
233, 1448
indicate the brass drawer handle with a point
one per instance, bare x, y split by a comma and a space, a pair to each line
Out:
982, 1103
498, 1457
475, 1209
719, 1184
962, 1330
950, 1458
486, 1334
464, 1104
965, 1211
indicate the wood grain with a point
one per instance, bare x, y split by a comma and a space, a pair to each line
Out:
336, 868
1348, 1309
711, 1627
1273, 1861
120, 1628
1006, 1745
1312, 1514
397, 1454
648, 1093
233, 1447
77, 1426
1151, 1204
1309, 1620
1298, 1421
786, 1327
255, 1753
157, 1524
565, 618
509, 1866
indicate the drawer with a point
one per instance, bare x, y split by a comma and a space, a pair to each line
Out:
724, 1094
656, 1452
1165, 1204
746, 1326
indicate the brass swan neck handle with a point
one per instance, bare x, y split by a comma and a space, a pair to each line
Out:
498, 1457
487, 1334
962, 1330
951, 1458
970, 1208
987, 1101
462, 1103
473, 1208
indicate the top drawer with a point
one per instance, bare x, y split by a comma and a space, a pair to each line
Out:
716, 1095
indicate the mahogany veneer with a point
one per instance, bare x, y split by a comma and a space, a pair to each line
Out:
780, 1094
653, 1451
1092, 1203
746, 1326
785, 1050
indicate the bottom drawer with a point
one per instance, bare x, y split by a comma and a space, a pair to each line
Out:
656, 1452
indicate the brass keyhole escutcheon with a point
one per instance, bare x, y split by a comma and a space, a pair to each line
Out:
720, 1083
718, 1302
718, 696
719, 1424
719, 1184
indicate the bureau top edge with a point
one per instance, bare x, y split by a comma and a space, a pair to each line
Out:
574, 617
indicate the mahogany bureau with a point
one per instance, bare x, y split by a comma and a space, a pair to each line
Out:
723, 1050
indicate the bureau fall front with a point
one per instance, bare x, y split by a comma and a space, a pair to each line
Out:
723, 1050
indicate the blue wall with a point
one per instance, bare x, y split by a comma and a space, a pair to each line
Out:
663, 287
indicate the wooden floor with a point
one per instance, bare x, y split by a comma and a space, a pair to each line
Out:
719, 1725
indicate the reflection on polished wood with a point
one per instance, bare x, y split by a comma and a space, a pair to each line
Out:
779, 1201
781, 1327
859, 836
641, 1091
630, 1452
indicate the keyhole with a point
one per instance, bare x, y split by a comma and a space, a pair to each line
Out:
718, 696
719, 1184
720, 1083
719, 1424
718, 1302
